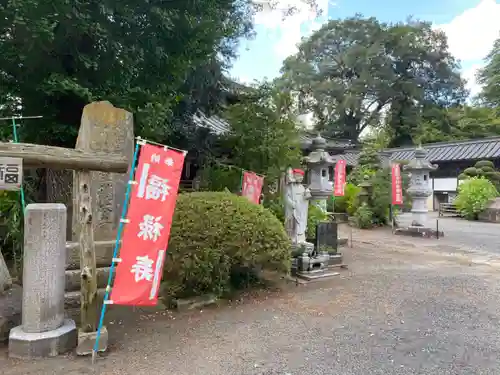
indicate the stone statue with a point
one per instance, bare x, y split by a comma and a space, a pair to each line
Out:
296, 197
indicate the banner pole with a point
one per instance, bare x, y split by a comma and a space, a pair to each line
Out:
138, 145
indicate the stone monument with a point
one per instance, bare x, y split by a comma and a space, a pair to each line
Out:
44, 331
318, 165
105, 128
419, 169
307, 262
296, 198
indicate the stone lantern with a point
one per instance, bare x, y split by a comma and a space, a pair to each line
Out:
318, 165
419, 190
419, 171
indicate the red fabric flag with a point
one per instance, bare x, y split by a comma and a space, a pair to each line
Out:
339, 179
397, 188
146, 233
251, 186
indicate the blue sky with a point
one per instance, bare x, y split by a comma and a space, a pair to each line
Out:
471, 26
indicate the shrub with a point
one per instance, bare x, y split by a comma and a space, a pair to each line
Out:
381, 196
483, 168
218, 178
315, 215
346, 203
274, 203
216, 235
474, 195
364, 216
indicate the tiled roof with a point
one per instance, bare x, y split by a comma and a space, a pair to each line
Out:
487, 148
215, 124
475, 149
306, 140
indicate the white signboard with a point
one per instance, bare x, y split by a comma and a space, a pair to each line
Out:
11, 173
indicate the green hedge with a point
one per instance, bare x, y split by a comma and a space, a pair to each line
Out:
216, 237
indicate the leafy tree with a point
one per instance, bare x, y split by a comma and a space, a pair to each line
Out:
350, 70
489, 77
464, 122
264, 136
57, 57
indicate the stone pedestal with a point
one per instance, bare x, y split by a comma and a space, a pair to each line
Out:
44, 331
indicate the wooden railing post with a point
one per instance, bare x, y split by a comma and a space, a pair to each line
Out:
87, 254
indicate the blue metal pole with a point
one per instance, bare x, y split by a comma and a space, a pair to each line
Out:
115, 251
16, 140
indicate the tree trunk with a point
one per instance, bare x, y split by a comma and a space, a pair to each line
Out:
87, 254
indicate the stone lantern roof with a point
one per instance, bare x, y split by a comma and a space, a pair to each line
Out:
319, 155
420, 162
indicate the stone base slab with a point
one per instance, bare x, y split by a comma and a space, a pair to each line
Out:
335, 259
423, 232
10, 311
86, 342
25, 345
316, 275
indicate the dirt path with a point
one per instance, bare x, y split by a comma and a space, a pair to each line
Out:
401, 308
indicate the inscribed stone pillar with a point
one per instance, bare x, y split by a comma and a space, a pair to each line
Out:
44, 331
105, 128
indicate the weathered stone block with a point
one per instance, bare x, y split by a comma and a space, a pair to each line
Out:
32, 345
44, 265
105, 128
73, 279
86, 342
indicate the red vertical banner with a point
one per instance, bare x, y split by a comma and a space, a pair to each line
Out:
251, 186
147, 228
339, 179
397, 185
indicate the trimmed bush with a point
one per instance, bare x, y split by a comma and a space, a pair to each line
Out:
217, 236
483, 168
473, 196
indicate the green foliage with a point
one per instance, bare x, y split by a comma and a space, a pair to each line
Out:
483, 168
315, 215
368, 164
380, 199
11, 225
489, 78
457, 123
274, 203
216, 235
345, 204
473, 196
364, 216
264, 137
350, 70
163, 57
218, 178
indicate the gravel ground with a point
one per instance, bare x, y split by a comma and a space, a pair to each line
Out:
405, 306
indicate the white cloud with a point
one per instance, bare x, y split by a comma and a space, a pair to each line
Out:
288, 30
470, 75
471, 36
472, 33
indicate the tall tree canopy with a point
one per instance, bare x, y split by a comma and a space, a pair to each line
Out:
58, 55
350, 71
489, 77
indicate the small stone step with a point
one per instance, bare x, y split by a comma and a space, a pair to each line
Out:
103, 254
73, 279
72, 299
